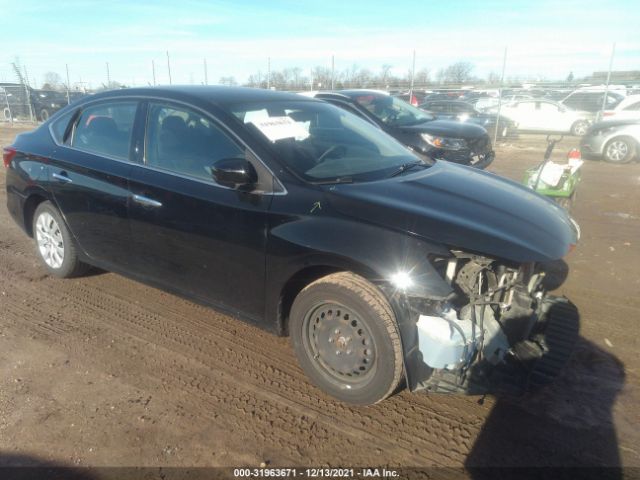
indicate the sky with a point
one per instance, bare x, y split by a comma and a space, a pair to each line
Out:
544, 39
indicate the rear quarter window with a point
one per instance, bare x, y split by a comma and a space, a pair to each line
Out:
59, 127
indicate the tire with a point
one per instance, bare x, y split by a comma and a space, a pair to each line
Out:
619, 150
579, 128
54, 245
345, 336
44, 115
6, 113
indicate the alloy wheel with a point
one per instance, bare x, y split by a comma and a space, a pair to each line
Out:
617, 151
50, 241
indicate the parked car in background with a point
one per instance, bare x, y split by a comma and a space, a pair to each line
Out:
457, 142
591, 100
47, 102
305, 219
21, 102
486, 103
545, 116
616, 141
465, 112
627, 109
415, 98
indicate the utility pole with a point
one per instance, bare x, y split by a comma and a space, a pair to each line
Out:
108, 76
169, 67
413, 75
333, 69
504, 64
66, 66
206, 77
606, 89
268, 73
153, 71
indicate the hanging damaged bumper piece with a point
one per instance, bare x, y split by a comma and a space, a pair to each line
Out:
525, 366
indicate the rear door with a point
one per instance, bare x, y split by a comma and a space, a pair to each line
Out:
88, 177
190, 234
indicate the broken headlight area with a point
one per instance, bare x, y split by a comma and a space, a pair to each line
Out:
498, 332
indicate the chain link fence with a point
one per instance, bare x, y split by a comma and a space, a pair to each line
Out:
15, 102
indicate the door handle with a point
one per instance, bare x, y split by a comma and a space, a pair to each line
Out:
62, 177
147, 202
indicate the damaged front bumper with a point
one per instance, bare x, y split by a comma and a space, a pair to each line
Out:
526, 366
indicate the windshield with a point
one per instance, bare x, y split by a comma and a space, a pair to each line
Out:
323, 143
392, 111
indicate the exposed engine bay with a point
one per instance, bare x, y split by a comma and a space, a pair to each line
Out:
492, 325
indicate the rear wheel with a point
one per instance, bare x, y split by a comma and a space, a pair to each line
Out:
579, 128
54, 244
620, 150
345, 336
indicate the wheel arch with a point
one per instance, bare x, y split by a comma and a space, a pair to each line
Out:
30, 205
307, 274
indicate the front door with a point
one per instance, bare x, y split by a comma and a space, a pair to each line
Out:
190, 234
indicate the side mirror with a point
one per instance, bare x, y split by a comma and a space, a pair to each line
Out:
234, 173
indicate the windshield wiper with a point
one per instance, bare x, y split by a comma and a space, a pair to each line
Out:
334, 181
406, 166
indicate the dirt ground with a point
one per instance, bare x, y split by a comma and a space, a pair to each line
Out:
104, 371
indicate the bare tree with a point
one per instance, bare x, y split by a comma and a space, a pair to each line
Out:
459, 72
422, 76
52, 81
384, 73
493, 78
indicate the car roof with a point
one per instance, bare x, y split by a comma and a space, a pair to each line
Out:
443, 100
361, 91
215, 94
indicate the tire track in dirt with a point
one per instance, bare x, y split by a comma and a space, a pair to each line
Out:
408, 429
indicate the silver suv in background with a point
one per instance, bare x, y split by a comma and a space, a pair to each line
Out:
615, 141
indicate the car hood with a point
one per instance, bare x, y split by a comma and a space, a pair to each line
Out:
447, 128
463, 208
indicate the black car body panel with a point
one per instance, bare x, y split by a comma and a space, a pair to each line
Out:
477, 153
250, 251
475, 217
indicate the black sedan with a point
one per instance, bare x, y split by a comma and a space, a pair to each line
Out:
465, 112
455, 142
309, 221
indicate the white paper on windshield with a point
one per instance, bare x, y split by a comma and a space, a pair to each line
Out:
277, 128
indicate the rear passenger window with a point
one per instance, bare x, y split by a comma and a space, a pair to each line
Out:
105, 129
183, 141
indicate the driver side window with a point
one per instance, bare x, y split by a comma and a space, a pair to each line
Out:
183, 141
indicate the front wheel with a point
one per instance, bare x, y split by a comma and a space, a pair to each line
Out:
44, 114
619, 150
345, 336
54, 244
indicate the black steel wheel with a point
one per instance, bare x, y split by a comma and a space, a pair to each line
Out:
345, 336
